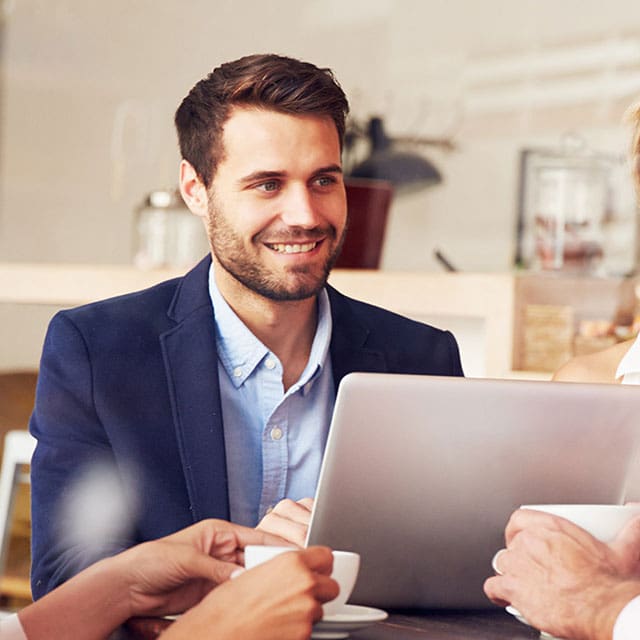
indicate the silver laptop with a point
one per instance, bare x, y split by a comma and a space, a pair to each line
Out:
421, 474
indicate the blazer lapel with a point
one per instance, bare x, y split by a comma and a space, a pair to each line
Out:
349, 352
191, 363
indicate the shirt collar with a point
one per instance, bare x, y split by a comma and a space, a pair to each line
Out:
630, 363
240, 352
320, 345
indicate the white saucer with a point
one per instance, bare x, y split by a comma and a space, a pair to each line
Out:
351, 617
514, 612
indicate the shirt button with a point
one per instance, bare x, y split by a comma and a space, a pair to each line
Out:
237, 372
270, 363
276, 433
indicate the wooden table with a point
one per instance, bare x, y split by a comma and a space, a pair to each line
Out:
427, 625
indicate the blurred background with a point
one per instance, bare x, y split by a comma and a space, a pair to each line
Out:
88, 91
497, 125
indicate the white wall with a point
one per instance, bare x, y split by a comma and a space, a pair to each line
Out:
73, 70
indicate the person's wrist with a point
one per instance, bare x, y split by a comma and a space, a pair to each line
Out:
116, 579
198, 621
607, 608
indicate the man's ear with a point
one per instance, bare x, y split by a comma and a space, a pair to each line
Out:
193, 191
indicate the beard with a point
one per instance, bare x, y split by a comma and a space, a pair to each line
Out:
246, 266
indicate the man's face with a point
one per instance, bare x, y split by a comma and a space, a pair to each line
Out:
277, 205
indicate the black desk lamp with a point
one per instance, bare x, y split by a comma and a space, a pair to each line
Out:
405, 170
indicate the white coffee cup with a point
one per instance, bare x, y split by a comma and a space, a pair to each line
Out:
602, 521
345, 571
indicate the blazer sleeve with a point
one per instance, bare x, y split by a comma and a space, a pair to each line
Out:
75, 487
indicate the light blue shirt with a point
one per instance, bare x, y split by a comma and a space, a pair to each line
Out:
274, 441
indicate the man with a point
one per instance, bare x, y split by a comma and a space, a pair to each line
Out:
214, 391
279, 600
565, 582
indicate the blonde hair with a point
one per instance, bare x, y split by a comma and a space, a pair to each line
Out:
632, 115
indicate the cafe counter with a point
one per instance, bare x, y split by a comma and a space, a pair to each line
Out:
507, 324
478, 308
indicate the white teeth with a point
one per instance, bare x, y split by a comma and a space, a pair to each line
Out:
294, 248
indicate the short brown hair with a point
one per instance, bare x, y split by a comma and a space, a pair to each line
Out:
267, 81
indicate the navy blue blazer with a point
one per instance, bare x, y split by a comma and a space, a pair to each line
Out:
133, 381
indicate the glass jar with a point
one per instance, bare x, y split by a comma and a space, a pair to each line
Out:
167, 233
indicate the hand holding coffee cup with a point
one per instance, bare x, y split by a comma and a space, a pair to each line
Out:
554, 566
603, 521
345, 571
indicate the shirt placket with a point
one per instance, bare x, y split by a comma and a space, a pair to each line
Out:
275, 459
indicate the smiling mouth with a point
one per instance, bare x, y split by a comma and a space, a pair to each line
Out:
282, 247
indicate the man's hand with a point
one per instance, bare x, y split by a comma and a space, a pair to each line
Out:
289, 520
563, 580
277, 600
171, 574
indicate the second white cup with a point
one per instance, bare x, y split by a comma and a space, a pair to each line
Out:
345, 571
602, 521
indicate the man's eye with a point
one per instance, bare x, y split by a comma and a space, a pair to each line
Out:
325, 181
271, 185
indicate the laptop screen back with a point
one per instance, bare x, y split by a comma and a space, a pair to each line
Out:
421, 474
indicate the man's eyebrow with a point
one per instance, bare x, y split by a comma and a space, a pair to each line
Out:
256, 176
332, 168
261, 175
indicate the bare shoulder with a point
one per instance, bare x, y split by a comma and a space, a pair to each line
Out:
599, 367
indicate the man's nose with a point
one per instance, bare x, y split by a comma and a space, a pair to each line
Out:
299, 208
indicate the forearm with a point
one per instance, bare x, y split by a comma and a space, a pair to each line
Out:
87, 607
